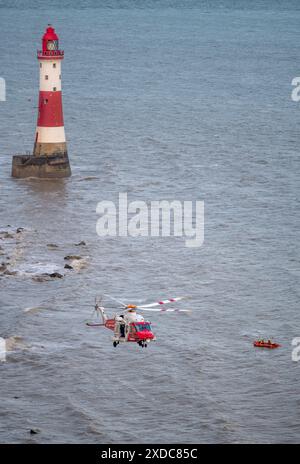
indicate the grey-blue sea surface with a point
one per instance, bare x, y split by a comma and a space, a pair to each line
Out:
162, 100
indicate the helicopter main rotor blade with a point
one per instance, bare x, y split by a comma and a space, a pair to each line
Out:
165, 310
118, 301
158, 303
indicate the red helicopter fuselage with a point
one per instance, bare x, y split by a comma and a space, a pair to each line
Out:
136, 331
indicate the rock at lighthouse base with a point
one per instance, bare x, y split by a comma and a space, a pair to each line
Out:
45, 167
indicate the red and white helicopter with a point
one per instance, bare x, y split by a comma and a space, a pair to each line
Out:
130, 326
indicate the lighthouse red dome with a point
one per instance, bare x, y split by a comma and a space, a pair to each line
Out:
50, 34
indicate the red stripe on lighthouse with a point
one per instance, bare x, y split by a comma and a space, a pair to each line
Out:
50, 109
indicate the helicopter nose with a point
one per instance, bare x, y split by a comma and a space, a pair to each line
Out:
145, 335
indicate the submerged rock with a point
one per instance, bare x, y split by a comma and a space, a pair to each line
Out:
82, 243
4, 234
78, 264
88, 178
56, 275
3, 267
46, 277
14, 342
10, 273
52, 246
67, 266
72, 257
33, 310
43, 278
34, 431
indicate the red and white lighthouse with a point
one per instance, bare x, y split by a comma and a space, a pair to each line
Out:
50, 156
50, 132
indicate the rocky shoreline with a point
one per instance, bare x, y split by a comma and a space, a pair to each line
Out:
12, 264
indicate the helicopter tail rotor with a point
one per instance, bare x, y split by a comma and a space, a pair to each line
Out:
99, 316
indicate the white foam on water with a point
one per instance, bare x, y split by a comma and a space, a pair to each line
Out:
37, 269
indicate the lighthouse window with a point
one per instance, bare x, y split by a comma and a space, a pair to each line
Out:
54, 89
52, 45
45, 101
46, 77
60, 76
54, 65
40, 65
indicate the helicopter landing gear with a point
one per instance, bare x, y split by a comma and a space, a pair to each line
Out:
143, 344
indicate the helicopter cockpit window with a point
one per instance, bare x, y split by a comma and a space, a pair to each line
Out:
141, 327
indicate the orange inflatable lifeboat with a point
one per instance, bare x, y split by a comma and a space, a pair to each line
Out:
265, 344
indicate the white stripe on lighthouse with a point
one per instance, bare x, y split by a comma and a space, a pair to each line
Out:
50, 75
51, 134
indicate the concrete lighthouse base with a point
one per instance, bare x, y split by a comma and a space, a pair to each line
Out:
45, 167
